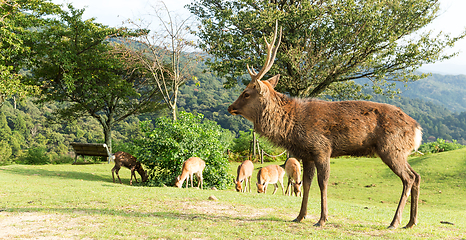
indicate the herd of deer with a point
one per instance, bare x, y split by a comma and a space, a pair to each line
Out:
314, 131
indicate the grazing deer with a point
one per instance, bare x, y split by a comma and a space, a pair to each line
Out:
315, 130
272, 174
244, 174
193, 165
293, 171
127, 160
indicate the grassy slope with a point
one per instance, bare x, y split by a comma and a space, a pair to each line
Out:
65, 201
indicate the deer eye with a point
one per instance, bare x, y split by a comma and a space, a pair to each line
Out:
246, 95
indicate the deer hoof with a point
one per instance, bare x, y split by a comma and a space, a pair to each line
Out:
391, 227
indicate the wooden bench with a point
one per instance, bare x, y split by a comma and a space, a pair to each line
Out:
91, 149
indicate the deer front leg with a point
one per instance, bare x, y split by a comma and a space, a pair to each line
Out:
308, 175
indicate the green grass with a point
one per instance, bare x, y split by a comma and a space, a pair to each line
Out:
82, 202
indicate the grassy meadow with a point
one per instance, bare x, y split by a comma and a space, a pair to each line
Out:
82, 202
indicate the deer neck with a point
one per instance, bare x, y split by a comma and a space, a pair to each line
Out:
277, 118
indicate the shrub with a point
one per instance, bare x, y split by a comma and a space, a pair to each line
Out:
165, 147
35, 156
5, 153
440, 146
62, 159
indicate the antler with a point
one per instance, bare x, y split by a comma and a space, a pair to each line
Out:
271, 52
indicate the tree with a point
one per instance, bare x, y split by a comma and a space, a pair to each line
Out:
17, 19
81, 67
163, 54
326, 44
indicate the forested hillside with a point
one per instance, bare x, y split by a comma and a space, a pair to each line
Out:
446, 90
28, 127
210, 98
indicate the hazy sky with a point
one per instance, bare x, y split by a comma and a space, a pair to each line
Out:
113, 12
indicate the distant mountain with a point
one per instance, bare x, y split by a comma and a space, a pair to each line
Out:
446, 90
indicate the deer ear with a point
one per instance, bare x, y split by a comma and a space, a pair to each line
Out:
274, 80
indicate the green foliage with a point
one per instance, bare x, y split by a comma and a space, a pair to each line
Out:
242, 146
193, 95
440, 146
81, 65
35, 156
5, 152
165, 147
325, 44
62, 159
17, 19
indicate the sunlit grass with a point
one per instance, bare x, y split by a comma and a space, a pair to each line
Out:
81, 201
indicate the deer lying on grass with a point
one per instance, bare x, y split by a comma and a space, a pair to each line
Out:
315, 130
244, 174
127, 160
190, 167
272, 174
293, 171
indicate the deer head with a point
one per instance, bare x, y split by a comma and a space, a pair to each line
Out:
248, 103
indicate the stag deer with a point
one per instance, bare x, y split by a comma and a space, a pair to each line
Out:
293, 171
127, 160
272, 174
244, 174
315, 130
193, 165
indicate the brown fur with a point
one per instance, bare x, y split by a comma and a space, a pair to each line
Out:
315, 130
123, 159
293, 171
244, 174
193, 165
272, 174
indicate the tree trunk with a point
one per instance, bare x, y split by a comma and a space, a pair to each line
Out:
175, 98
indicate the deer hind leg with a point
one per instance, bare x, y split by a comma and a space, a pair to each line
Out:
415, 190
323, 172
275, 187
411, 183
199, 180
308, 175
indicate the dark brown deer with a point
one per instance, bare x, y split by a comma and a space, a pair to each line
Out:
315, 130
123, 159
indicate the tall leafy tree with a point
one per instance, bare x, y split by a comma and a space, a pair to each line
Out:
81, 66
326, 44
17, 19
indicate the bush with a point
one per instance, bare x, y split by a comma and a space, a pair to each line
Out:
440, 146
5, 153
62, 159
165, 147
35, 156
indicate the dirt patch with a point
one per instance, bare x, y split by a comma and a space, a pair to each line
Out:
38, 226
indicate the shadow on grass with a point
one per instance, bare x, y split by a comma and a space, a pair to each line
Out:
59, 174
158, 214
